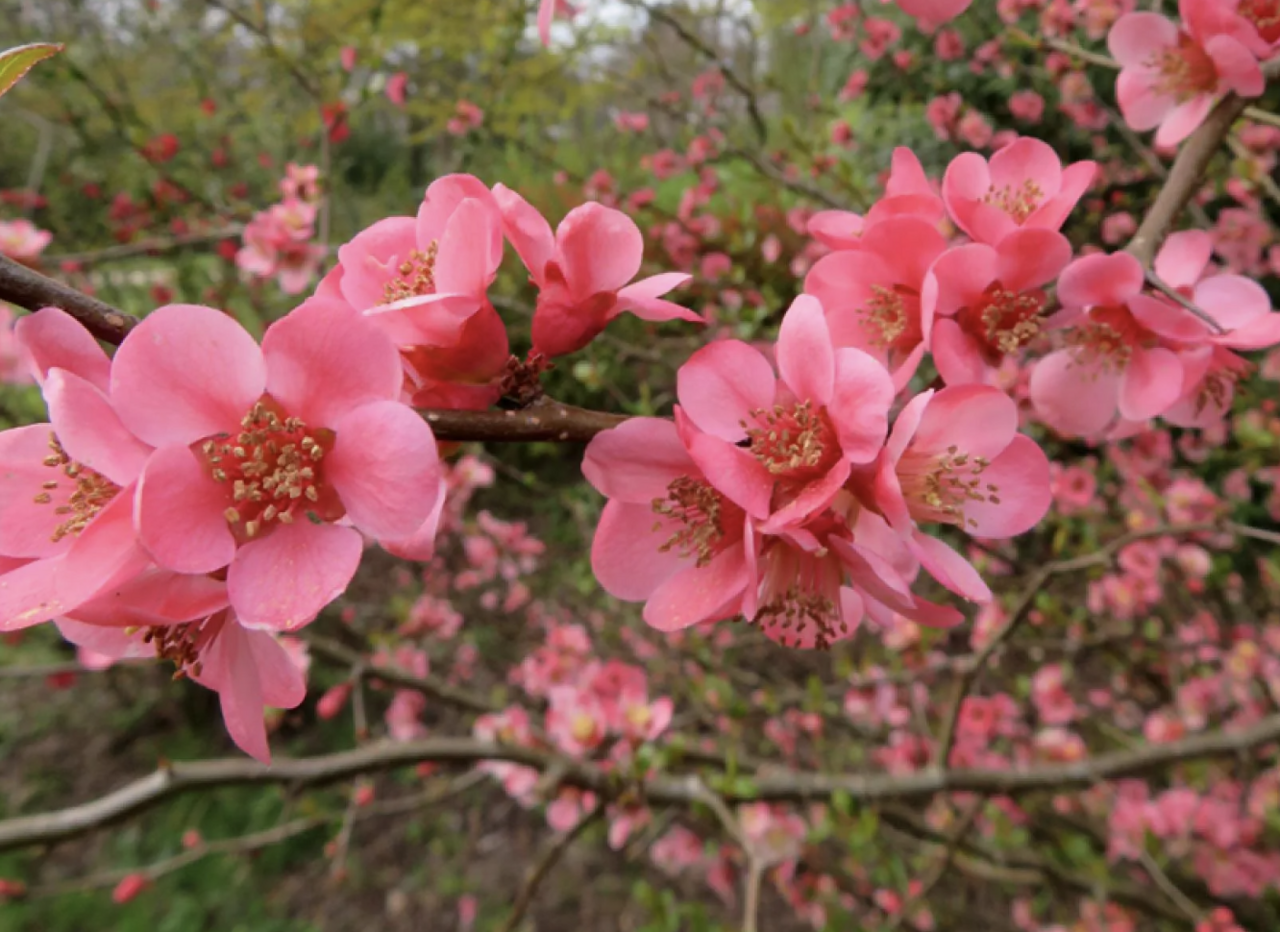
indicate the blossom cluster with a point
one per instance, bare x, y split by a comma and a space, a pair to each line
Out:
278, 241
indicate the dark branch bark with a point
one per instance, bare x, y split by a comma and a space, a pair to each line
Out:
27, 289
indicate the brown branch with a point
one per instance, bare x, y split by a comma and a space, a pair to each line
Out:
27, 289
1178, 298
179, 778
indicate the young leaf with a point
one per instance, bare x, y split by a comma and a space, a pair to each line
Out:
18, 61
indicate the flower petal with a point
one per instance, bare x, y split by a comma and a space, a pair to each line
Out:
90, 430
385, 468
722, 384
859, 407
186, 373
697, 593
600, 249
1152, 383
284, 579
180, 513
51, 338
637, 460
626, 553
806, 360
1019, 479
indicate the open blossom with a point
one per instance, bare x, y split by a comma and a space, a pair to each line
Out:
986, 301
872, 294
1023, 186
790, 439
1171, 77
1256, 23
582, 272
261, 451
277, 245
66, 487
1113, 362
185, 619
424, 281
955, 457
930, 14
22, 241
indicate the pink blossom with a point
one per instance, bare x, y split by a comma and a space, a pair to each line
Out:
908, 192
872, 296
22, 241
582, 272
318, 404
930, 14
955, 457
986, 302
1024, 185
1256, 23
1027, 106
424, 282
396, 88
1171, 77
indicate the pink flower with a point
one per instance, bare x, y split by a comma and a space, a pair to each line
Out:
22, 241
872, 295
259, 451
956, 457
1171, 77
347, 57
986, 301
129, 888
788, 442
930, 14
66, 487
1256, 23
1024, 185
1114, 362
1027, 106
547, 11
396, 89
424, 281
582, 272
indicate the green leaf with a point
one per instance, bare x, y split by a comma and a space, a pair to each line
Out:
18, 61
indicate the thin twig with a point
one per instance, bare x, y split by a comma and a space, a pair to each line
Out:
524, 899
751, 898
1181, 300
1183, 902
28, 289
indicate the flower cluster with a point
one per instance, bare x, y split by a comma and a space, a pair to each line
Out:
22, 241
278, 241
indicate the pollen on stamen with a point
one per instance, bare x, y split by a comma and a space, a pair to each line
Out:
416, 276
91, 493
791, 438
1018, 201
938, 487
1002, 319
701, 511
885, 315
798, 611
271, 467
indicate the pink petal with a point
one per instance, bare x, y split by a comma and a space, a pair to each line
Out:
980, 420
89, 429
180, 513
906, 175
324, 360
1152, 384
421, 544
385, 468
30, 595
1183, 258
1260, 333
51, 338
1238, 69
186, 373
957, 356
1183, 120
1031, 257
637, 460
1136, 38
949, 568
813, 498
443, 198
806, 360
1166, 319
27, 526
527, 230
284, 579
626, 554
464, 265
369, 260
738, 475
600, 249
1100, 280
1027, 159
909, 245
156, 596
695, 594
1232, 300
546, 13
1073, 398
230, 669
906, 424
836, 229
859, 405
1142, 103
106, 554
961, 275
722, 384
872, 573
434, 320
1051, 214
1019, 478
641, 299
964, 185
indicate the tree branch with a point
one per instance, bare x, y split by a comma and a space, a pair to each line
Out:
549, 859
179, 778
28, 289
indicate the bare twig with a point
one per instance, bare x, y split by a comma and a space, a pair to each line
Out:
1174, 295
549, 859
145, 247
751, 898
1170, 889
21, 286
